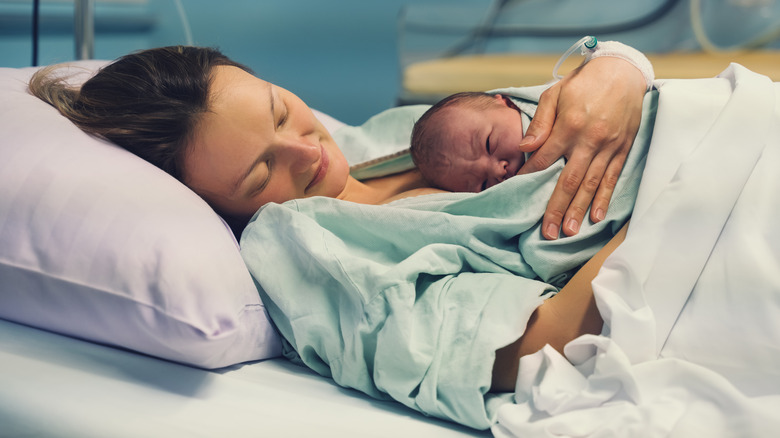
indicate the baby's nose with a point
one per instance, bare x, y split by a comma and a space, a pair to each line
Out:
501, 170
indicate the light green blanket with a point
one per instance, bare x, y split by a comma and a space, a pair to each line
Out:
410, 300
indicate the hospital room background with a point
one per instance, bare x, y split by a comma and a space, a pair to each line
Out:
99, 249
346, 57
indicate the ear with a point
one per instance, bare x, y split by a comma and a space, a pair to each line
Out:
506, 101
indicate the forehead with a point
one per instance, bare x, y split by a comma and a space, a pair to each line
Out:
458, 132
233, 88
227, 136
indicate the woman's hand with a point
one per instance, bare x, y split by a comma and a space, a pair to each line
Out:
590, 117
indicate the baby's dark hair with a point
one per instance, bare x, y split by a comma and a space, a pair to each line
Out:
424, 145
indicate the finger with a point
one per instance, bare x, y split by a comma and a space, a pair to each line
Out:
603, 196
542, 123
555, 146
563, 139
542, 158
565, 189
575, 214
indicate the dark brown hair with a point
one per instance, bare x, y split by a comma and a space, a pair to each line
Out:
148, 102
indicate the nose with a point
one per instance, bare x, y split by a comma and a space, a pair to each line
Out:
300, 153
498, 171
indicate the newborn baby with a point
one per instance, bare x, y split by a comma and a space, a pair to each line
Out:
468, 142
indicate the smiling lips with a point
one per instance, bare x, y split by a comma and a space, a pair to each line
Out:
321, 170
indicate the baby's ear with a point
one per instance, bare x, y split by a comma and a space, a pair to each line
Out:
506, 101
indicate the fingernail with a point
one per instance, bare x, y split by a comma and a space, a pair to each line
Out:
573, 225
599, 214
552, 231
527, 140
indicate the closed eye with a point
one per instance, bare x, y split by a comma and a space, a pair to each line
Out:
487, 148
255, 191
277, 101
283, 118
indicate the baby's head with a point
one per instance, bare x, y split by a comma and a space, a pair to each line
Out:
467, 142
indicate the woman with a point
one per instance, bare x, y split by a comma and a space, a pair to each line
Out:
241, 142
154, 102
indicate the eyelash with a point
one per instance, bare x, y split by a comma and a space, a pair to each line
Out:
487, 147
283, 118
263, 184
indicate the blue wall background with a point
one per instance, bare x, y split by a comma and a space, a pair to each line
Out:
342, 56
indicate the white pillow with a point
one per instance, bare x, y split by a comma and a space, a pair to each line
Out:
98, 244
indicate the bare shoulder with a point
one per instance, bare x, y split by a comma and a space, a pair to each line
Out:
401, 185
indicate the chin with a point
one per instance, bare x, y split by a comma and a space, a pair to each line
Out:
333, 184
339, 166
339, 184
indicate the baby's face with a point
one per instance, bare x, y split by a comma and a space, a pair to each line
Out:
480, 144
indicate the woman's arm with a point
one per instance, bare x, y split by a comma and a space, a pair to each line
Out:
590, 117
562, 318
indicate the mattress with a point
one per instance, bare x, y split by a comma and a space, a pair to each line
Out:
57, 386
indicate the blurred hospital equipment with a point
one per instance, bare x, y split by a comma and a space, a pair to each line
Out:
84, 28
442, 51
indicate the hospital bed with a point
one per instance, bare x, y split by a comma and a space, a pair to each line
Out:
126, 310
59, 386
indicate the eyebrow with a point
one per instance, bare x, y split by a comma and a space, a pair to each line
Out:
260, 158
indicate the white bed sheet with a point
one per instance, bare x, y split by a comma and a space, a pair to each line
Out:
55, 386
691, 298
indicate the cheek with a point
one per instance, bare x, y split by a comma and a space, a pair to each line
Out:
512, 152
236, 208
458, 178
508, 145
277, 193
337, 176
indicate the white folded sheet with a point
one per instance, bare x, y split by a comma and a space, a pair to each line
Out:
691, 299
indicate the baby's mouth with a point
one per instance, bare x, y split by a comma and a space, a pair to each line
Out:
512, 168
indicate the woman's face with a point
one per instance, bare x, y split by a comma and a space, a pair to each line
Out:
260, 144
